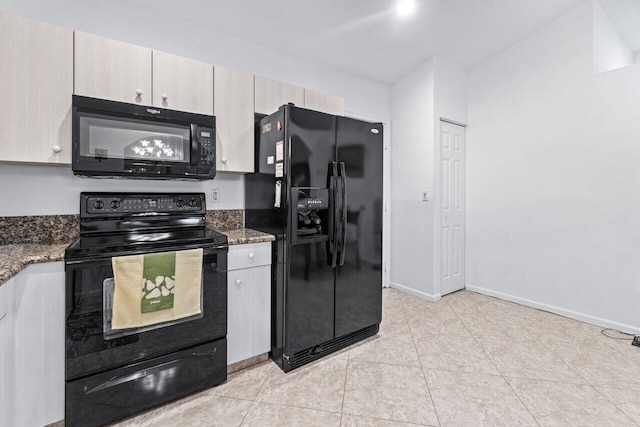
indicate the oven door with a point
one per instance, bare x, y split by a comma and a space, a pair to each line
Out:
87, 350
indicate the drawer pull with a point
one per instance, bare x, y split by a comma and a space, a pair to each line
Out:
251, 255
238, 282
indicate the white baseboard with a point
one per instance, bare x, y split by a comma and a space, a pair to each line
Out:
415, 293
583, 317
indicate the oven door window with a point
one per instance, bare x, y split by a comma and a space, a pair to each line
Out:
123, 138
108, 287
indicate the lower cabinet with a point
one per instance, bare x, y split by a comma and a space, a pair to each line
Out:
7, 378
249, 301
32, 346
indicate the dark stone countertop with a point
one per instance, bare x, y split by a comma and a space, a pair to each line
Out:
16, 256
246, 235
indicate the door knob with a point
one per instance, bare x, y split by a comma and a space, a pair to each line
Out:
165, 96
139, 92
238, 282
56, 149
251, 255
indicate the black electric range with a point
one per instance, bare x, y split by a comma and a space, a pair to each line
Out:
110, 377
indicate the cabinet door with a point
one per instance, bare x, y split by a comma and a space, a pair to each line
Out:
39, 345
249, 308
109, 69
36, 83
7, 374
233, 107
182, 84
319, 101
271, 94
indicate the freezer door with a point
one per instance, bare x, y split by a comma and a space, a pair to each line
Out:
358, 290
310, 285
310, 304
312, 146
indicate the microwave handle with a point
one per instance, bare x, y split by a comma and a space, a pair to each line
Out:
195, 155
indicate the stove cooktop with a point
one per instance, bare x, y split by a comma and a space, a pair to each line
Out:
132, 243
116, 224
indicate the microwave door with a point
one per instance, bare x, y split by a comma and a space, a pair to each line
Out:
130, 142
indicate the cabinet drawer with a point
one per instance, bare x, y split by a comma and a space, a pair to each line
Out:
249, 255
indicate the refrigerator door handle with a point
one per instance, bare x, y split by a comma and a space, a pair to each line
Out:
332, 247
343, 242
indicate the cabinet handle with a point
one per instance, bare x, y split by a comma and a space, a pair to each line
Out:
238, 282
56, 149
139, 92
165, 96
251, 255
224, 160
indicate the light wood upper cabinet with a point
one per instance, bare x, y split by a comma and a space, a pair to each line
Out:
271, 95
36, 84
233, 108
319, 101
182, 84
110, 69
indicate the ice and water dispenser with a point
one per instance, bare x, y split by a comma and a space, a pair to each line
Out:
310, 221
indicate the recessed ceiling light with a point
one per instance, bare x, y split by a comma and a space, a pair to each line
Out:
405, 8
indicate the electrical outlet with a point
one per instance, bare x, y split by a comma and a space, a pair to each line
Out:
425, 195
215, 196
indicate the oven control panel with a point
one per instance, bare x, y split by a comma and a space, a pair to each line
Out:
99, 204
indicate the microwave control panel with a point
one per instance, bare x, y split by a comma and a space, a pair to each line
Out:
206, 138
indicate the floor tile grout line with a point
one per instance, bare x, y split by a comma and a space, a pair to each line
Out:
344, 388
297, 407
266, 377
615, 406
494, 365
587, 383
424, 375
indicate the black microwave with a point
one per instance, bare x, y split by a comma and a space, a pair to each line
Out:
116, 139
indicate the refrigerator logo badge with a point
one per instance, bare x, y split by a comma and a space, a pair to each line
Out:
266, 127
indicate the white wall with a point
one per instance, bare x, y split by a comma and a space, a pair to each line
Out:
412, 172
137, 23
450, 102
433, 90
610, 49
552, 177
51, 190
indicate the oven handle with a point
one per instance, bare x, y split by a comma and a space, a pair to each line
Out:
115, 381
207, 258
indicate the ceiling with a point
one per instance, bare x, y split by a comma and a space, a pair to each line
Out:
625, 16
365, 37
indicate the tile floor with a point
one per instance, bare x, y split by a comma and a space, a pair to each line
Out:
467, 360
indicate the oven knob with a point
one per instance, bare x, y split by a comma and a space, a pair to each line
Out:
98, 204
193, 203
114, 204
180, 203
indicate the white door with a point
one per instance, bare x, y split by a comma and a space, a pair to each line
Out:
452, 165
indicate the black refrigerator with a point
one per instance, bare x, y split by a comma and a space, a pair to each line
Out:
318, 188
